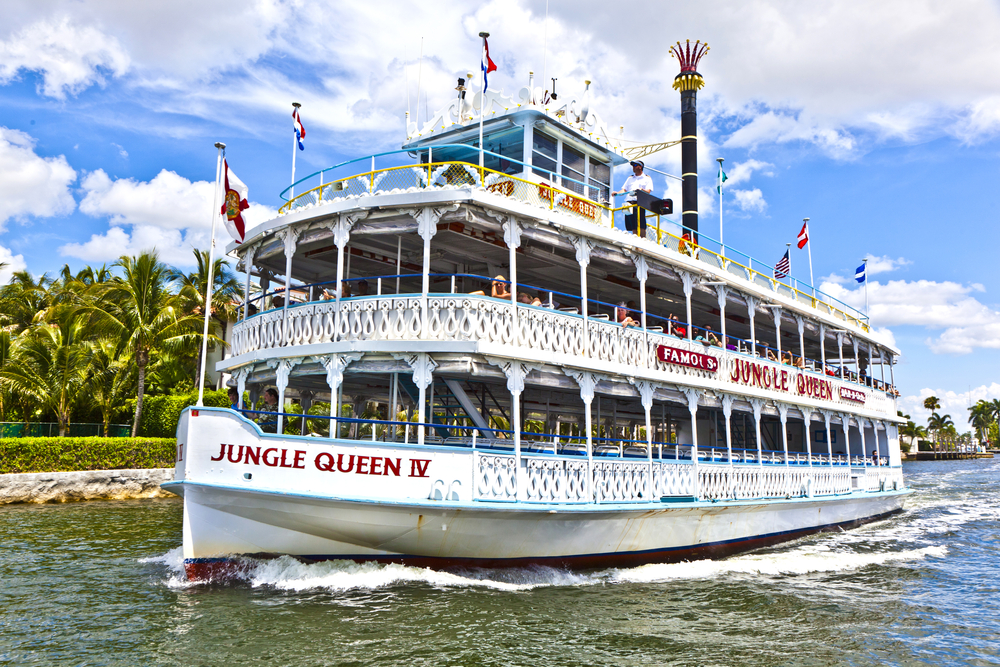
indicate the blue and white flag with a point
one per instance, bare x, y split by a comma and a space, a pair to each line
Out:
300, 130
487, 64
859, 275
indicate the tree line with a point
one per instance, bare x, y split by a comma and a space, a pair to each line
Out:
79, 345
984, 417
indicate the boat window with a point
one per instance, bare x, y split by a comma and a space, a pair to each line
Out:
509, 144
573, 165
600, 180
544, 154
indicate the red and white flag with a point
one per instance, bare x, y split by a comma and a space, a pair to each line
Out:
234, 202
804, 236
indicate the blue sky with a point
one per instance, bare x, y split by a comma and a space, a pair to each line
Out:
880, 122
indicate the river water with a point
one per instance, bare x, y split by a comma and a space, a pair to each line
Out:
100, 583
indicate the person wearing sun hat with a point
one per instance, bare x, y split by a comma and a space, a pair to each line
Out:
636, 220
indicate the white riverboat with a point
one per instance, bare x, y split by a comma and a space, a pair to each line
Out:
475, 429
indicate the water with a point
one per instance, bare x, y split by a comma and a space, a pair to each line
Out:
100, 583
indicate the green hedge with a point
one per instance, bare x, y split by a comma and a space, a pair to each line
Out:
68, 454
160, 414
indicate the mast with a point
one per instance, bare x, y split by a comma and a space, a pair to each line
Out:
688, 82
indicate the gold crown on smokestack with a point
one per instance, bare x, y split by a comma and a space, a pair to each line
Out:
689, 56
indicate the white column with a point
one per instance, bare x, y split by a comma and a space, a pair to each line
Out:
692, 396
777, 330
423, 372
248, 257
758, 406
646, 390
335, 365
583, 248
752, 310
864, 447
840, 352
688, 280
822, 347
283, 368
516, 371
587, 382
512, 237
857, 360
829, 438
528, 144
241, 382
727, 412
641, 274
290, 237
807, 418
802, 338
845, 425
722, 293
783, 416
341, 229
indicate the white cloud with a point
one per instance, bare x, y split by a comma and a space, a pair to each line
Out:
31, 185
884, 264
750, 200
168, 213
12, 263
743, 171
70, 58
965, 323
953, 403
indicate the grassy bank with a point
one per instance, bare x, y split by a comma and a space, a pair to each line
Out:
69, 454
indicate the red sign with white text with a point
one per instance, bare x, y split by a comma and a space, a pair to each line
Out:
674, 355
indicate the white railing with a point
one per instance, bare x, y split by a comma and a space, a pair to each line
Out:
564, 480
466, 317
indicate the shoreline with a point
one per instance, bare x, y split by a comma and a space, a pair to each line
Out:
62, 487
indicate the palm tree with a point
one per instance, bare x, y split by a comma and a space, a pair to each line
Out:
51, 361
138, 311
110, 380
226, 294
980, 417
932, 403
24, 301
937, 423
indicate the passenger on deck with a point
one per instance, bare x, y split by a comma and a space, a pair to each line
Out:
875, 460
498, 289
362, 287
770, 355
524, 297
635, 221
622, 316
325, 295
269, 422
800, 363
234, 398
711, 338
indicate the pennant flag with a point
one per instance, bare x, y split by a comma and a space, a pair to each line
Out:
234, 202
300, 129
804, 236
488, 65
783, 267
861, 275
722, 179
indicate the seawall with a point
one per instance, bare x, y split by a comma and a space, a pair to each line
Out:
61, 487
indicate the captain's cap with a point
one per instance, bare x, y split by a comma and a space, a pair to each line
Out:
638, 163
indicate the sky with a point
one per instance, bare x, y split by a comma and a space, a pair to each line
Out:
878, 121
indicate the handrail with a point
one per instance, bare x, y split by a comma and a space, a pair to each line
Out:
685, 245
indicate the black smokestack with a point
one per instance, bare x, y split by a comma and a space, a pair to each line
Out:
688, 82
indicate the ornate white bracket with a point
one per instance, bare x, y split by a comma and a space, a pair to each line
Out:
241, 376
335, 364
802, 324
722, 294
782, 411
423, 367
646, 390
246, 259
727, 405
692, 395
752, 303
777, 318
516, 371
512, 233
283, 368
641, 267
587, 382
290, 236
427, 218
342, 225
758, 407
688, 280
583, 246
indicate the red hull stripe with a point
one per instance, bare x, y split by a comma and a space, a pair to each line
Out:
217, 569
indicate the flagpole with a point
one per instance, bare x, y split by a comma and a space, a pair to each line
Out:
211, 265
809, 248
788, 252
722, 245
867, 311
295, 145
482, 100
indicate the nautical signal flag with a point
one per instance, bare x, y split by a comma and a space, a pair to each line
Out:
804, 236
783, 267
234, 202
300, 129
488, 65
722, 179
861, 275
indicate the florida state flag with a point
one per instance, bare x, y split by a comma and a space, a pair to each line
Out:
234, 202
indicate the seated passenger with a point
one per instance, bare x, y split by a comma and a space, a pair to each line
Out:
800, 363
325, 295
269, 422
524, 297
675, 327
711, 338
278, 299
498, 289
771, 356
622, 316
234, 398
362, 288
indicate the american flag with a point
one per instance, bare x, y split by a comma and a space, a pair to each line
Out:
783, 267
